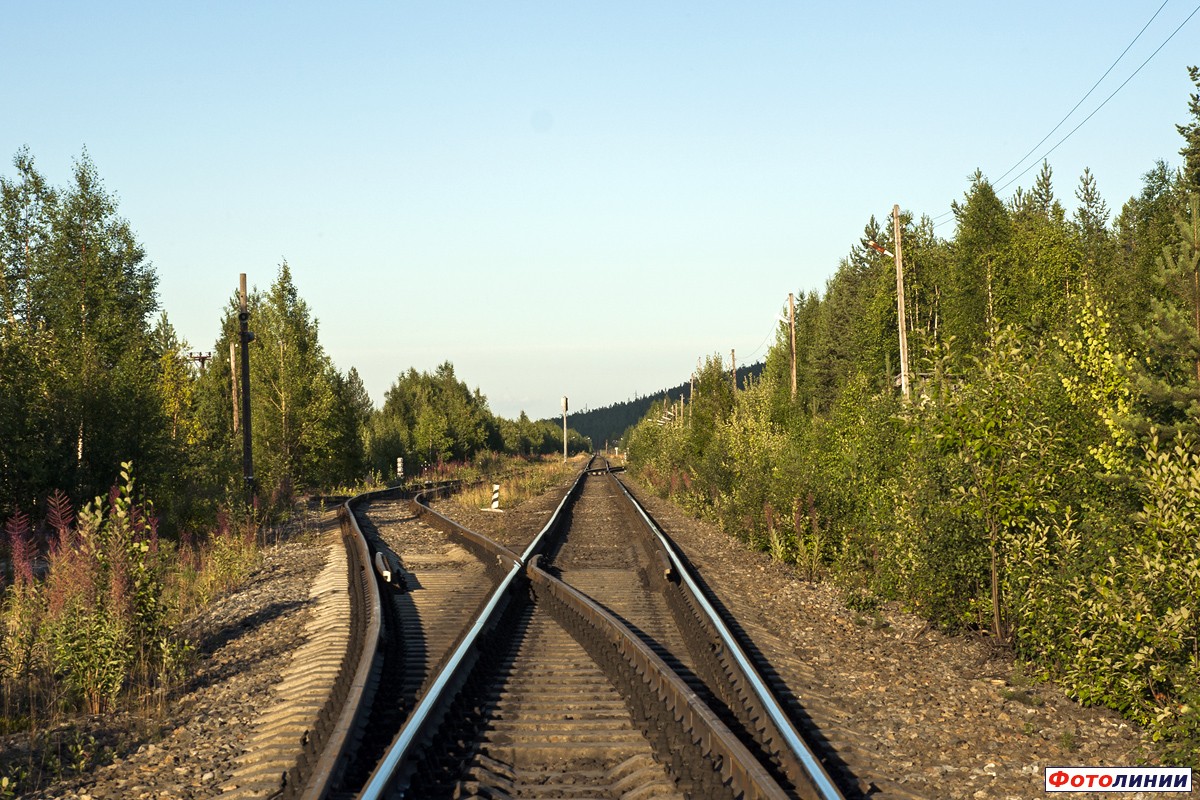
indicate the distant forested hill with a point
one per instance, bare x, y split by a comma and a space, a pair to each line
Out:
608, 424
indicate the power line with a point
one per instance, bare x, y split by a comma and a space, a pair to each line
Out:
1102, 105
774, 331
941, 218
1086, 96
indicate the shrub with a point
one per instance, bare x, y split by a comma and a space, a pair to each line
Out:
107, 616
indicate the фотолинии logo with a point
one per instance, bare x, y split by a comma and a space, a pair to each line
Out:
1118, 779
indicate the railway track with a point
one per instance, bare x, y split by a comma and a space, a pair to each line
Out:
588, 665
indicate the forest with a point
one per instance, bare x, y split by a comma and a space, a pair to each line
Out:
608, 424
1041, 482
93, 375
122, 499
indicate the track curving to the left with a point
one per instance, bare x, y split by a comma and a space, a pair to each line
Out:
583, 667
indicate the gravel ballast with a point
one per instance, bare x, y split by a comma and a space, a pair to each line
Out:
908, 707
190, 747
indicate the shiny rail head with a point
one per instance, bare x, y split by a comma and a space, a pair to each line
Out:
645, 674
380, 783
821, 782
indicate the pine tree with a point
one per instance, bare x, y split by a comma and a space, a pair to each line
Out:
1144, 226
1040, 266
1092, 214
1041, 197
984, 229
1168, 378
292, 400
352, 410
1191, 136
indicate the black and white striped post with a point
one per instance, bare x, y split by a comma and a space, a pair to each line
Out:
495, 497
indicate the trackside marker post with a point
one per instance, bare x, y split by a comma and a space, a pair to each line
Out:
495, 499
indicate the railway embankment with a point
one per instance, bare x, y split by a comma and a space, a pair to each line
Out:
939, 716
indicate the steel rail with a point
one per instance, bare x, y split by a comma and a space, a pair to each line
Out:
380, 781
613, 645
353, 689
483, 547
812, 766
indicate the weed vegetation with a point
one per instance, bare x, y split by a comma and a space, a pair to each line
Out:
90, 621
1039, 483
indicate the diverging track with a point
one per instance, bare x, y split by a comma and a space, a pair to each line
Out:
587, 666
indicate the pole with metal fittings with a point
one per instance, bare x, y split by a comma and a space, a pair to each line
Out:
246, 338
564, 404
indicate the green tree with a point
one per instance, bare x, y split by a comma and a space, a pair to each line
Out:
292, 398
857, 331
1168, 372
984, 230
29, 376
1190, 132
1040, 265
1091, 227
27, 206
1143, 227
353, 409
427, 418
1091, 216
1008, 446
77, 296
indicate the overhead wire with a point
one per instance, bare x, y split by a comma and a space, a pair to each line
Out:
941, 218
1067, 116
757, 350
1103, 104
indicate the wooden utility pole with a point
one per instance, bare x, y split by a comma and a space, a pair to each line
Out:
247, 337
233, 382
564, 429
904, 390
733, 369
792, 327
1194, 245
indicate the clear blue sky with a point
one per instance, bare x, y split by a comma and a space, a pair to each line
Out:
562, 197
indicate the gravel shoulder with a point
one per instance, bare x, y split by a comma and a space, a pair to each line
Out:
933, 715
939, 716
189, 746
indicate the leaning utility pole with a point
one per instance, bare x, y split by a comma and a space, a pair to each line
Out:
246, 337
564, 429
792, 327
900, 305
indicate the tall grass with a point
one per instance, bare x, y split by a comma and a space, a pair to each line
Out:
88, 618
520, 479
